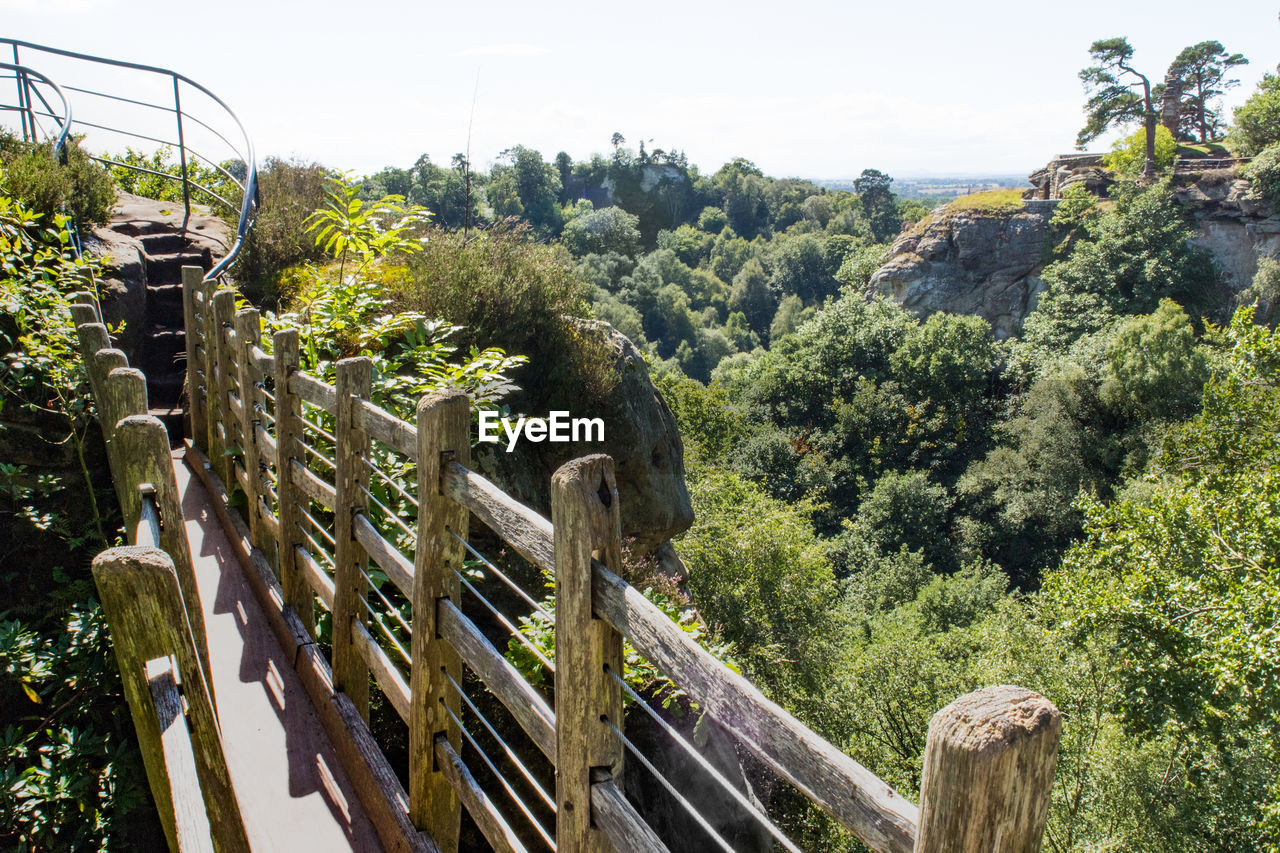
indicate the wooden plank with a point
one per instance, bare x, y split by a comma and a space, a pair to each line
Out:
147, 618
143, 447
385, 672
242, 477
388, 557
269, 521
248, 329
371, 775
197, 416
237, 410
585, 514
224, 306
315, 575
501, 678
263, 361
314, 391
523, 529
444, 427
483, 811
846, 790
266, 445
312, 486
191, 822
988, 773
390, 430
212, 443
618, 819
288, 494
350, 675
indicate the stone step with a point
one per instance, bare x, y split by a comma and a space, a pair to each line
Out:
167, 268
163, 293
164, 243
173, 419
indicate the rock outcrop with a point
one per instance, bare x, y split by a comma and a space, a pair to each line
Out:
970, 262
1232, 227
641, 436
1066, 170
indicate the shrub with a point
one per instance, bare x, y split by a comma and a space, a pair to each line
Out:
1264, 174
78, 187
289, 190
1129, 155
1257, 120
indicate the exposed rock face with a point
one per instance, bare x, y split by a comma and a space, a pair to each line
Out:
123, 241
970, 262
641, 436
1235, 229
1064, 171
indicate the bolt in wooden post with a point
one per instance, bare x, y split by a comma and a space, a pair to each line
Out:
224, 306
350, 673
192, 277
143, 603
212, 405
142, 445
248, 328
297, 592
444, 427
585, 516
988, 771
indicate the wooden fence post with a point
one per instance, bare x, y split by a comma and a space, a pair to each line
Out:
142, 452
212, 406
92, 337
123, 392
248, 328
586, 521
146, 615
224, 306
192, 277
350, 672
296, 590
988, 771
444, 433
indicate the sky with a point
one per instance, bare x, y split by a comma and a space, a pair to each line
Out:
819, 90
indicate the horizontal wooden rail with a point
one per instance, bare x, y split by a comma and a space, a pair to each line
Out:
618, 818
314, 487
318, 579
526, 531
388, 429
397, 566
385, 672
492, 824
190, 818
314, 391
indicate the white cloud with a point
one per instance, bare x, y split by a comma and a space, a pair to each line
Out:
513, 49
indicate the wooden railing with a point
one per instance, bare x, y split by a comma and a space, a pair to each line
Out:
148, 594
353, 526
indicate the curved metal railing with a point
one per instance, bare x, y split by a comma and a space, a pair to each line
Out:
29, 83
242, 150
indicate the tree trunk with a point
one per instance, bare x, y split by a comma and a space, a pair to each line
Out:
1149, 167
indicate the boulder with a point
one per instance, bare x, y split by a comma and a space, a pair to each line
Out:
970, 262
640, 434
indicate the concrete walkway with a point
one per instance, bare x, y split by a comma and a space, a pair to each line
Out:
292, 791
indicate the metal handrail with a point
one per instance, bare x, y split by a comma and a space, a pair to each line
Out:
22, 74
249, 187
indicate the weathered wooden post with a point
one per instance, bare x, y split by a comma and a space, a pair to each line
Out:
144, 608
988, 772
212, 405
92, 337
444, 426
350, 672
585, 516
122, 391
142, 446
224, 306
192, 277
248, 328
296, 590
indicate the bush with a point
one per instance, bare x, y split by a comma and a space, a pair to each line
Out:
1257, 120
1128, 156
78, 187
289, 191
1264, 174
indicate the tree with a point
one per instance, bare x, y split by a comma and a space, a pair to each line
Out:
1257, 120
1119, 95
752, 296
600, 232
878, 204
1201, 72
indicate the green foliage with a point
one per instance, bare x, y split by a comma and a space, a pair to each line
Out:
860, 264
872, 187
1155, 368
166, 183
1263, 173
990, 202
1078, 205
753, 297
1128, 156
604, 231
289, 191
1202, 71
74, 185
1118, 93
1257, 120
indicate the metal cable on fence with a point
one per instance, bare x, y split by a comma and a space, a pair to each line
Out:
501, 576
386, 632
319, 528
262, 410
510, 753
316, 547
515, 798
706, 765
389, 481
702, 822
316, 453
516, 632
393, 516
325, 434
391, 608
262, 387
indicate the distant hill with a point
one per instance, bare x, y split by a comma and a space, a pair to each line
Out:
940, 186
